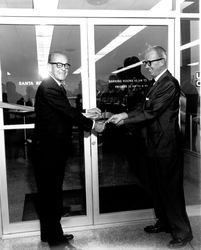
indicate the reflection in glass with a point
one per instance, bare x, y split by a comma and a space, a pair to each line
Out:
19, 88
22, 192
120, 177
121, 166
189, 6
20, 178
11, 96
19, 65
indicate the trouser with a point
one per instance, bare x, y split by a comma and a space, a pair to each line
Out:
166, 182
49, 173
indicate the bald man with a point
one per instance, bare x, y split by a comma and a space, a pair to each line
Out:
159, 122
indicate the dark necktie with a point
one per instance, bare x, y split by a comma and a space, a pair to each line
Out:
152, 81
63, 89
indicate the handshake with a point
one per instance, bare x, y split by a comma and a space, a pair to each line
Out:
99, 126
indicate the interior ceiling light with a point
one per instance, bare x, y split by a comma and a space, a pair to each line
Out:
44, 4
193, 64
44, 36
43, 43
97, 2
131, 31
190, 45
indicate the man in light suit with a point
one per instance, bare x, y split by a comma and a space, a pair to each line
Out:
159, 120
53, 127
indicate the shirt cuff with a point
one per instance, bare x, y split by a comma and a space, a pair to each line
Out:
93, 124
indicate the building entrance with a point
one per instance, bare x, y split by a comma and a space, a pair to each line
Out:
105, 179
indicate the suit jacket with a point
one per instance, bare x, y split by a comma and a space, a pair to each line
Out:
54, 114
159, 117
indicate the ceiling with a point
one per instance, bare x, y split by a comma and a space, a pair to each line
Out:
101, 4
86, 4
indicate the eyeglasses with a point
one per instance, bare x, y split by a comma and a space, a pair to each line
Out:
61, 65
149, 62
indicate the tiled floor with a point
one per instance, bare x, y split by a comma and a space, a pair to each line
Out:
128, 237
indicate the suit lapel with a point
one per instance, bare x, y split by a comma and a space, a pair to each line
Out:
157, 83
54, 84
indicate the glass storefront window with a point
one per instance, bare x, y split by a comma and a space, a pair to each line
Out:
22, 191
190, 81
190, 113
20, 177
20, 59
117, 172
122, 170
19, 54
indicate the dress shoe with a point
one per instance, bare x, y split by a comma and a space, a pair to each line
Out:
178, 242
58, 242
64, 239
69, 236
157, 228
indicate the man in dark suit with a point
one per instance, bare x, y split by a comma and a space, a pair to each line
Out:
159, 120
53, 126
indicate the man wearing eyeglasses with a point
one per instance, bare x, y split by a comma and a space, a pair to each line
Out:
161, 135
53, 127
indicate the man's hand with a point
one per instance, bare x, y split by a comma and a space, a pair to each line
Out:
118, 118
99, 126
93, 113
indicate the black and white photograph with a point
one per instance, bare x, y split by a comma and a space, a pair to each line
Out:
100, 125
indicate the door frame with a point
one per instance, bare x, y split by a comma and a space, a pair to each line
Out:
93, 218
124, 216
69, 222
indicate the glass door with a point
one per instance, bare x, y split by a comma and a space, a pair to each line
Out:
24, 50
119, 172
103, 182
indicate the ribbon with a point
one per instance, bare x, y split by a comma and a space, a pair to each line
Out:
6, 105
